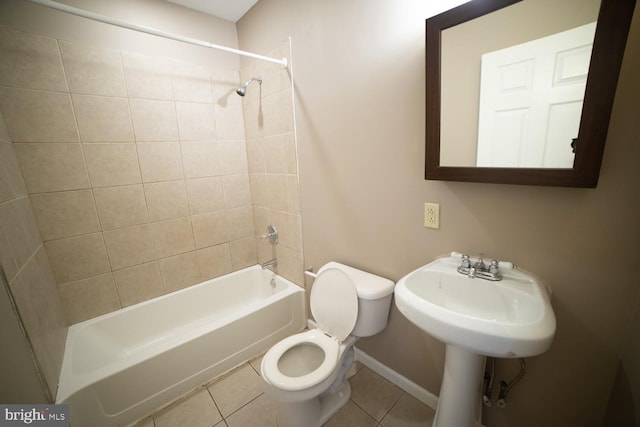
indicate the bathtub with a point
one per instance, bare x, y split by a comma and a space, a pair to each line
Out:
119, 367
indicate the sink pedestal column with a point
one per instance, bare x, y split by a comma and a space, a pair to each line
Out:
459, 404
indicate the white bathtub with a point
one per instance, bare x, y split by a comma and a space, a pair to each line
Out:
121, 366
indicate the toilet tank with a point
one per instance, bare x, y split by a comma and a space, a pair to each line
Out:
374, 299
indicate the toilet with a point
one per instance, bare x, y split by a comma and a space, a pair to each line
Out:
306, 373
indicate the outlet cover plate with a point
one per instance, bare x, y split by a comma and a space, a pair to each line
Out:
432, 215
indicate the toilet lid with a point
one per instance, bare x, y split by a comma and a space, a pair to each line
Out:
334, 303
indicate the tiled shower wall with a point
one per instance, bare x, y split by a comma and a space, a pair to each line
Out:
26, 266
137, 169
272, 158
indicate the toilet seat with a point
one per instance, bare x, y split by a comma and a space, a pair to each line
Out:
334, 305
272, 372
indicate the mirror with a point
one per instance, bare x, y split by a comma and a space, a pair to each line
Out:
484, 125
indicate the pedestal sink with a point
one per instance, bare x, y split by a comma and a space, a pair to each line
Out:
475, 318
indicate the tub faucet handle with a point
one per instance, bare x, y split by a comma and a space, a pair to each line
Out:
271, 235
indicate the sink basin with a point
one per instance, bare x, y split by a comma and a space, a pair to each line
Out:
508, 318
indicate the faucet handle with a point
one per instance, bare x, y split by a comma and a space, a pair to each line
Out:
493, 268
465, 261
271, 234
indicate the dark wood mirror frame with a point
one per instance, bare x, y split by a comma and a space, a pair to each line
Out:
614, 20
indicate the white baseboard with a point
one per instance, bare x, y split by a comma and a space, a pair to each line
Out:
424, 396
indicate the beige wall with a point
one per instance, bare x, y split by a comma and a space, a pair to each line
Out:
359, 89
32, 289
136, 163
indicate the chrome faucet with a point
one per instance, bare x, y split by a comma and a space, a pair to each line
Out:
270, 263
479, 269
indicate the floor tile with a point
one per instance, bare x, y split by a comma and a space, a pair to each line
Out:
197, 410
261, 412
351, 415
373, 393
147, 422
354, 369
256, 362
236, 389
408, 412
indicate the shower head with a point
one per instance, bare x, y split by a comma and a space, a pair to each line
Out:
242, 90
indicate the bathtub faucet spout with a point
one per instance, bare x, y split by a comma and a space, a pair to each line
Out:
270, 263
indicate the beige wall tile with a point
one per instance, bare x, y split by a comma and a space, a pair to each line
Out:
42, 315
259, 194
229, 122
243, 252
210, 229
191, 82
179, 271
173, 237
147, 77
289, 228
137, 284
261, 219
35, 116
11, 181
233, 157
103, 119
253, 120
30, 61
237, 191
129, 246
275, 192
224, 84
20, 229
277, 110
205, 195
255, 156
93, 70
290, 264
196, 121
214, 261
200, 159
88, 298
166, 200
121, 207
154, 120
280, 154
112, 164
52, 167
160, 161
293, 195
65, 214
240, 223
79, 257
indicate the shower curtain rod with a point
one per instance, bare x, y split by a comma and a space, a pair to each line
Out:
105, 19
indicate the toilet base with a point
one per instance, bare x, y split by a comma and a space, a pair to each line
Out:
332, 402
314, 412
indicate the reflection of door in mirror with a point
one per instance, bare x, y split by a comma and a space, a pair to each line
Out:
462, 49
531, 100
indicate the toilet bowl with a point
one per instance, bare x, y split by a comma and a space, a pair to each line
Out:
306, 373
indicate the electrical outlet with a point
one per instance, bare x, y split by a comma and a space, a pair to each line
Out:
432, 215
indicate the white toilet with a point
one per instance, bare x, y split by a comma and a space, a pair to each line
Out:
306, 372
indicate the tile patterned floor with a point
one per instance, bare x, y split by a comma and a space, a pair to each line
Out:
237, 400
